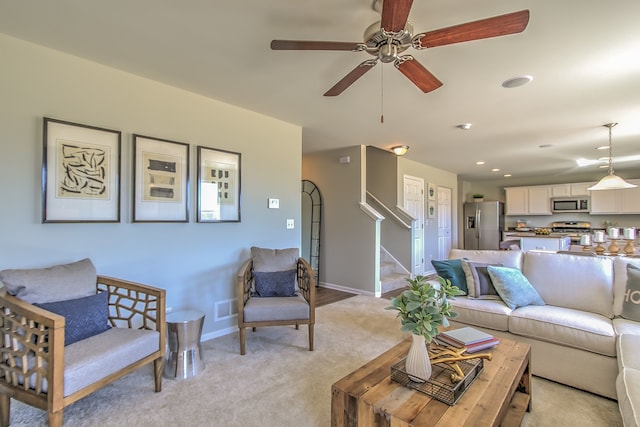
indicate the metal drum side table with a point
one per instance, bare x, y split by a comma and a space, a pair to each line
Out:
184, 355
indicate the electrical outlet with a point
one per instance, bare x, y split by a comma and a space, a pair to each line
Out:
289, 224
274, 203
169, 309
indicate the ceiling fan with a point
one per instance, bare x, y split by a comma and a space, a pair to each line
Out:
393, 34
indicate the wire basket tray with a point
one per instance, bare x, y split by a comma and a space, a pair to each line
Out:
440, 386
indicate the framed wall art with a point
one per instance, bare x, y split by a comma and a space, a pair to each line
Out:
218, 185
161, 180
80, 173
431, 191
431, 209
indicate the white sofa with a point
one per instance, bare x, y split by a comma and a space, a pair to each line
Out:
578, 337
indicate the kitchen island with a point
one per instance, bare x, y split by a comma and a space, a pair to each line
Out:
547, 242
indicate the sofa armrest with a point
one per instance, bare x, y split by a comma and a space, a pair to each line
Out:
31, 352
135, 305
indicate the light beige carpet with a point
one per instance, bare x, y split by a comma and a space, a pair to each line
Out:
280, 383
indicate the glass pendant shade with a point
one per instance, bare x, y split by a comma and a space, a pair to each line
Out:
611, 181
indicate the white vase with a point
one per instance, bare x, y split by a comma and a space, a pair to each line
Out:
418, 365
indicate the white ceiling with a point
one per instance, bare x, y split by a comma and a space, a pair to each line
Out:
584, 56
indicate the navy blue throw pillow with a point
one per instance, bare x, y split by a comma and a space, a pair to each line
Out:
84, 317
275, 283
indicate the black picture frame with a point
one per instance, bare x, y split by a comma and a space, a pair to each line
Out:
80, 172
219, 185
160, 180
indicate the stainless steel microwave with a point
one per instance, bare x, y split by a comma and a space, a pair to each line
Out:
570, 204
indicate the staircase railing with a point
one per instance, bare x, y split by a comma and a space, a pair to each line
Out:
389, 211
397, 233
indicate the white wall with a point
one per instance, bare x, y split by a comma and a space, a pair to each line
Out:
195, 263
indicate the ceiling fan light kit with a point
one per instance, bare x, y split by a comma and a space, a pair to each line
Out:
611, 181
393, 34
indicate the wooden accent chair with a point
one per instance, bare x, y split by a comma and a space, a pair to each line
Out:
37, 368
256, 310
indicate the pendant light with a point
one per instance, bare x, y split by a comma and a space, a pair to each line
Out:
611, 181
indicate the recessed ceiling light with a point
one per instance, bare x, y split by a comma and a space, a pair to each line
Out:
545, 146
495, 170
464, 126
603, 147
516, 81
480, 162
507, 175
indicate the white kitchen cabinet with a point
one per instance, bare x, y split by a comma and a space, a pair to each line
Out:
534, 200
580, 188
540, 200
616, 201
569, 190
516, 201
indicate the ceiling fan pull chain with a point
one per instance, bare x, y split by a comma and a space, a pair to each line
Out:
381, 94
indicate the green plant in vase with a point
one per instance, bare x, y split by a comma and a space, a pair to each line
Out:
422, 309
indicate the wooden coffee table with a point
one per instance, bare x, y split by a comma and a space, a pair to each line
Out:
499, 396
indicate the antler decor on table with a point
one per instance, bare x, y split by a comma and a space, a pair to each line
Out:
451, 357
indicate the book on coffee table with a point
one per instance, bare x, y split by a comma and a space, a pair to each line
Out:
482, 345
464, 337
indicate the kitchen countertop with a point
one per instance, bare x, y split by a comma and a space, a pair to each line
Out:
532, 234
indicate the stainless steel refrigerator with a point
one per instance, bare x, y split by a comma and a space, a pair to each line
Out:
483, 225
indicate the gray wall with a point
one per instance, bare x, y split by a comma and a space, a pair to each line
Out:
347, 250
195, 263
382, 169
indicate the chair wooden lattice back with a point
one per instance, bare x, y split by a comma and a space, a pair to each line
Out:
32, 351
130, 307
306, 285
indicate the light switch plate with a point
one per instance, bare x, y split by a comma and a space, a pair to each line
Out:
289, 224
274, 203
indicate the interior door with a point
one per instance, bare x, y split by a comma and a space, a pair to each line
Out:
444, 222
414, 204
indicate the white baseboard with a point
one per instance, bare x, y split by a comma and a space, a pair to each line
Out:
345, 289
219, 333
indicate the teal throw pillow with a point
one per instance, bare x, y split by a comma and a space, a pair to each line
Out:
631, 303
452, 270
513, 287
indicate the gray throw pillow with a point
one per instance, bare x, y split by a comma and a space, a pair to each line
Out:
479, 282
631, 303
56, 283
84, 317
